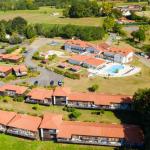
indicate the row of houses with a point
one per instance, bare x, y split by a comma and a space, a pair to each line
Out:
19, 70
64, 96
104, 51
11, 57
53, 127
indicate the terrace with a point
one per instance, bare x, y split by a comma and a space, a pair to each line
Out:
93, 140
21, 132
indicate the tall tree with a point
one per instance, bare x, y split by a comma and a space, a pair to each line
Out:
109, 23
19, 24
30, 31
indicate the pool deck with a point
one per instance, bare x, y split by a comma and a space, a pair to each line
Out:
127, 71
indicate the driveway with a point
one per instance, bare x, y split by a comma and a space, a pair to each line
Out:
45, 75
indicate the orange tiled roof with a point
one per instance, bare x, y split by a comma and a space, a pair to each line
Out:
100, 99
79, 43
26, 122
131, 133
51, 121
80, 57
21, 68
94, 61
16, 88
5, 68
11, 56
122, 51
6, 117
40, 93
61, 91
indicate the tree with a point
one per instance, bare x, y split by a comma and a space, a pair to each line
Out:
141, 103
15, 39
142, 100
2, 32
19, 24
139, 35
107, 8
30, 31
109, 23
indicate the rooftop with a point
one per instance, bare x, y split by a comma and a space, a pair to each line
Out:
131, 133
94, 61
6, 117
5, 68
16, 88
61, 91
51, 121
40, 93
100, 99
26, 122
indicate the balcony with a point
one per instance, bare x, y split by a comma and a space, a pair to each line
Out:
23, 133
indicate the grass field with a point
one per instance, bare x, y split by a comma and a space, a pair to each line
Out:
43, 15
86, 115
125, 85
13, 143
144, 13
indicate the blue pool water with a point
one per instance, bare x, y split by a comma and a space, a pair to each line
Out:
114, 69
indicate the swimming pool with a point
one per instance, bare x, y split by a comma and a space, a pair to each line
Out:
114, 69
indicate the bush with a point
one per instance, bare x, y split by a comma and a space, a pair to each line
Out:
35, 107
74, 115
93, 88
56, 70
72, 75
6, 99
19, 99
37, 56
10, 50
69, 109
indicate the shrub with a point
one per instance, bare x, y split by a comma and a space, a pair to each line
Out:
10, 50
93, 88
74, 115
35, 107
72, 75
69, 109
56, 70
19, 99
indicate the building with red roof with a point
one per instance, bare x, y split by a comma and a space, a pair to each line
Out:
53, 127
20, 70
5, 70
117, 54
78, 59
60, 95
40, 96
50, 126
79, 46
94, 63
25, 126
100, 134
11, 57
12, 90
99, 101
5, 118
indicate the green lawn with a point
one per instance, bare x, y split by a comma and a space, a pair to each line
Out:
86, 115
43, 15
13, 143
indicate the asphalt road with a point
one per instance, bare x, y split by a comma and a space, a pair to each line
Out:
45, 75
